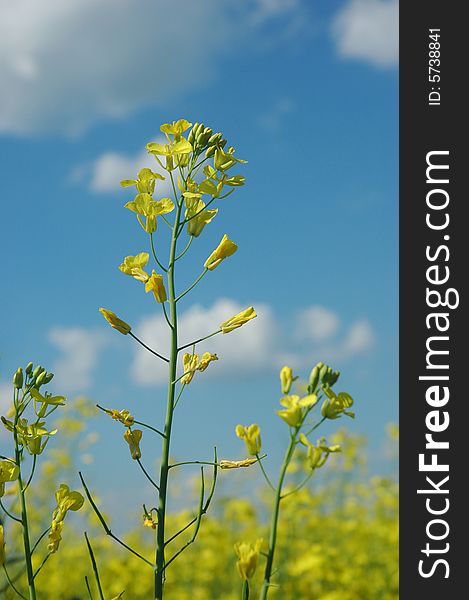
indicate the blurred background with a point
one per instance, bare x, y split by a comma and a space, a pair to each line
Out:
307, 93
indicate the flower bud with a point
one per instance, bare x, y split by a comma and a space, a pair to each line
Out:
210, 151
18, 378
41, 379
314, 379
48, 378
216, 137
29, 368
37, 371
286, 379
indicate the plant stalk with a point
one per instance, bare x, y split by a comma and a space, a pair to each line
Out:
275, 517
164, 469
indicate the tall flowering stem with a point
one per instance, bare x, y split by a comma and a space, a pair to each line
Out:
296, 412
196, 165
26, 422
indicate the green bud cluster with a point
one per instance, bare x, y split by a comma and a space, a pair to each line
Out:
323, 375
35, 377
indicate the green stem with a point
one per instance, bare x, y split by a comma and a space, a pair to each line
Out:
24, 521
164, 469
275, 517
95, 567
245, 590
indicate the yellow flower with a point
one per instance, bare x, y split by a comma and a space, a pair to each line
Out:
2, 546
238, 320
224, 249
175, 128
237, 464
251, 436
66, 500
144, 206
123, 416
115, 322
176, 152
133, 266
55, 536
133, 437
317, 455
149, 520
155, 284
248, 555
9, 471
195, 206
46, 401
335, 405
293, 414
190, 363
286, 379
145, 181
225, 160
205, 360
30, 436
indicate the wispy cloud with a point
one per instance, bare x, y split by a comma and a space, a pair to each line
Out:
80, 349
64, 70
259, 346
368, 30
245, 350
108, 169
271, 119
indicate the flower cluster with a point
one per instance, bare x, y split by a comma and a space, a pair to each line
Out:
66, 500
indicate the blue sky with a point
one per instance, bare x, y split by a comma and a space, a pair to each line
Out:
307, 93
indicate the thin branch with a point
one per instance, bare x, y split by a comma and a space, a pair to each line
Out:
315, 427
193, 462
266, 477
88, 588
199, 340
12, 585
150, 427
95, 567
148, 348
166, 315
193, 285
41, 565
185, 249
154, 254
197, 522
106, 528
39, 539
179, 394
33, 468
7, 512
207, 502
298, 487
147, 475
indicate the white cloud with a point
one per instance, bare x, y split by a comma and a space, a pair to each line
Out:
271, 119
368, 30
260, 345
317, 323
248, 349
80, 348
360, 337
68, 64
107, 170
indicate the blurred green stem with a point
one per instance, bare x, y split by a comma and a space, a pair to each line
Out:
275, 516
